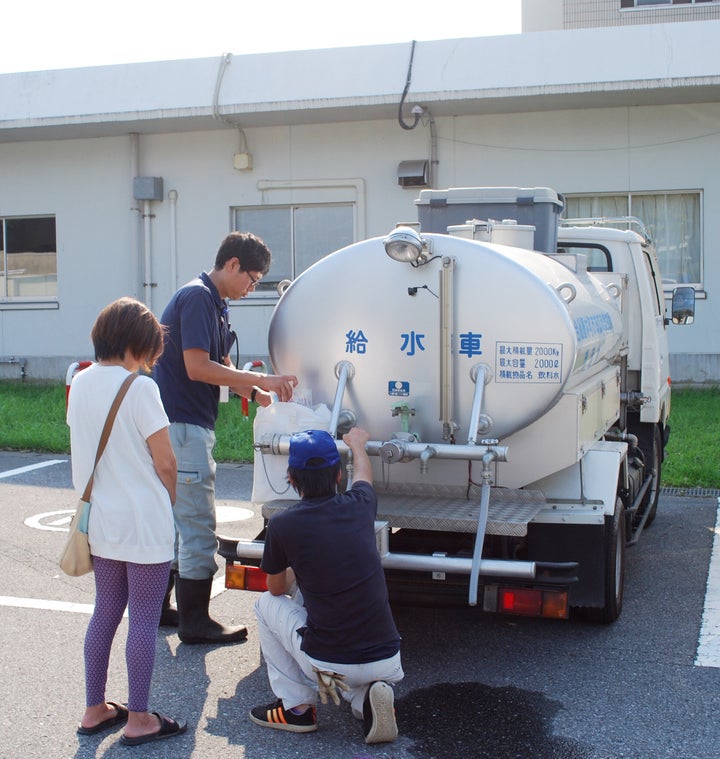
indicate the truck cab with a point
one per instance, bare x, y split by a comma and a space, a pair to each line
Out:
620, 249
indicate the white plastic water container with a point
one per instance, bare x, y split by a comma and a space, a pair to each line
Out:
505, 232
509, 232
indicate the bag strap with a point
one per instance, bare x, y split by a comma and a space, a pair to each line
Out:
106, 430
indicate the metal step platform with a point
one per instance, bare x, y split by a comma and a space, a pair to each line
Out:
447, 509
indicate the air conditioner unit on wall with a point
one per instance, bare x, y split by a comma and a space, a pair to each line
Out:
414, 173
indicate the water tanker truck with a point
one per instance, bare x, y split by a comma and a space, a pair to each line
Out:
511, 369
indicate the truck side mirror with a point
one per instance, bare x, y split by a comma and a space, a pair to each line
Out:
683, 305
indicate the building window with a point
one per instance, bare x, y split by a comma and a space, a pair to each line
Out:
28, 258
642, 3
297, 235
673, 220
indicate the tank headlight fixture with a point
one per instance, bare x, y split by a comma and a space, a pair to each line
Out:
404, 244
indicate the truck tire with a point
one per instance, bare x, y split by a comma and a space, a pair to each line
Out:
614, 569
650, 442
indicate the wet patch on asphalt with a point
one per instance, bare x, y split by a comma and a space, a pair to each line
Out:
475, 720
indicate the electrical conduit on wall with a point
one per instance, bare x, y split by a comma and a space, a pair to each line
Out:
172, 196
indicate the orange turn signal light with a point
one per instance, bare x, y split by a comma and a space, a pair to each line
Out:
243, 577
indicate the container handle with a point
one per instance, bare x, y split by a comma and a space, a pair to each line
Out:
614, 290
569, 289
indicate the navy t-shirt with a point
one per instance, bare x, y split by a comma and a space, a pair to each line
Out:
330, 545
195, 317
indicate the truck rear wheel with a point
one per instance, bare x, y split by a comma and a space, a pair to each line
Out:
614, 569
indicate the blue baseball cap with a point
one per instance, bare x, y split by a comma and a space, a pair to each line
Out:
312, 444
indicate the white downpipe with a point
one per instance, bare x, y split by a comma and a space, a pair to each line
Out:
172, 197
433, 149
147, 254
134, 229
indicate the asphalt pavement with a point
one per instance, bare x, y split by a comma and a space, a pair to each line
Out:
476, 685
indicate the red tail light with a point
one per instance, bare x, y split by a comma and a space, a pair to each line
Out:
242, 577
531, 602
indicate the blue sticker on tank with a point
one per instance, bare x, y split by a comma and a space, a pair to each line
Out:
398, 388
535, 363
594, 325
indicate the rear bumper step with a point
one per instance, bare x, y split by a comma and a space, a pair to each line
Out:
252, 550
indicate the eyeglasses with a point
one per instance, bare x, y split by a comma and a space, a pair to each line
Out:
253, 280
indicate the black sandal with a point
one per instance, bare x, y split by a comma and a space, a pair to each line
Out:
169, 728
107, 724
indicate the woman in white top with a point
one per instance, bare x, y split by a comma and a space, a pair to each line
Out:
131, 530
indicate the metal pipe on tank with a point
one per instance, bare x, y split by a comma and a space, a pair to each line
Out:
279, 445
487, 462
481, 375
479, 540
425, 456
344, 371
446, 358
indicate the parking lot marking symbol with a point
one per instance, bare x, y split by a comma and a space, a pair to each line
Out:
38, 521
64, 522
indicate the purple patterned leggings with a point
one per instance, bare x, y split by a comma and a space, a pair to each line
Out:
140, 587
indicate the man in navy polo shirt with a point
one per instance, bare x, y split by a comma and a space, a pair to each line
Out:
342, 635
194, 364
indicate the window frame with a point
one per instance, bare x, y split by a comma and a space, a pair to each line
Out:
291, 208
10, 302
668, 287
632, 5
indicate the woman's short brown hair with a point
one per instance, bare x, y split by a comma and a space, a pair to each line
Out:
127, 324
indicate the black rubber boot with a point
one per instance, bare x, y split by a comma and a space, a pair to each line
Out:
169, 614
195, 624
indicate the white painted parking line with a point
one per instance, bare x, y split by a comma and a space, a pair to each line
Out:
218, 587
224, 514
38, 603
708, 651
30, 468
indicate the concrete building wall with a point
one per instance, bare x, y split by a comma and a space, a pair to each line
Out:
542, 15
87, 185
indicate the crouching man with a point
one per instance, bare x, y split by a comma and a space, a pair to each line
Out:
344, 637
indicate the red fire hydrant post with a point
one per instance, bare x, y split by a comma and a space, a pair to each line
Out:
73, 369
248, 368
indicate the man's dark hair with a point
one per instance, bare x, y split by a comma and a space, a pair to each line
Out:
252, 252
127, 324
315, 483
